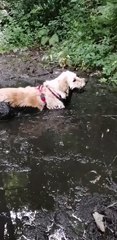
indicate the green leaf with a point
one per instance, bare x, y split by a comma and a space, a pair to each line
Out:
53, 40
43, 32
103, 80
44, 40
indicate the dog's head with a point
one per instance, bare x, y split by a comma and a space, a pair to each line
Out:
64, 82
73, 80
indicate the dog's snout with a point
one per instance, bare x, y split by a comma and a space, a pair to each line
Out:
85, 80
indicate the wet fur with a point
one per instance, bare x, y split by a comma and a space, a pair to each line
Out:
30, 97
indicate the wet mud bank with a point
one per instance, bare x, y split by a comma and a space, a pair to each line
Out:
57, 168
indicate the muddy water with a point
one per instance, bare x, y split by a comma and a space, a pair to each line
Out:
58, 167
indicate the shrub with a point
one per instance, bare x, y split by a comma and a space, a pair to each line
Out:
78, 32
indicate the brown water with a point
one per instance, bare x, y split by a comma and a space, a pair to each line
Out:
58, 167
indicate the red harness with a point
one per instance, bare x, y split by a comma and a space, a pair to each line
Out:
40, 89
55, 94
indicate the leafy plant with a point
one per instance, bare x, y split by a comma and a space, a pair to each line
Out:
78, 32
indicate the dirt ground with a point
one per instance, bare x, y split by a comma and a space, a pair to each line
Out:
24, 68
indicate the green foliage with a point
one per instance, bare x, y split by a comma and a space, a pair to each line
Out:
78, 32
90, 40
53, 40
16, 36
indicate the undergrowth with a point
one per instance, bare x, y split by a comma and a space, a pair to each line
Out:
80, 33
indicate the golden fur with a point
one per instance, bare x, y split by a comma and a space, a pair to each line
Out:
54, 91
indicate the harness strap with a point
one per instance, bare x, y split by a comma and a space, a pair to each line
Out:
54, 93
40, 88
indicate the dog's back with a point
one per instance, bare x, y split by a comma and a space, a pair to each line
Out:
20, 97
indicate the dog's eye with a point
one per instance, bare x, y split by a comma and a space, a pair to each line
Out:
74, 80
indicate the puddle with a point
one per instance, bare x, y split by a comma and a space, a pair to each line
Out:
57, 167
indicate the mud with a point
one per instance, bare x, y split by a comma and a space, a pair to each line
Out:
57, 167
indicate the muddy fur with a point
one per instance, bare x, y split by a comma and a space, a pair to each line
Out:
6, 111
51, 94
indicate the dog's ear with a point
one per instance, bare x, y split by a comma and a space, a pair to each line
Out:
63, 85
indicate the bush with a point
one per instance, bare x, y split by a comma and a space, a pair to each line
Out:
78, 32
90, 40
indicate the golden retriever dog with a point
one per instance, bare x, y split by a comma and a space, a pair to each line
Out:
51, 94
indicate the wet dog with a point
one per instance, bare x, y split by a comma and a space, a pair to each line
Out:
51, 94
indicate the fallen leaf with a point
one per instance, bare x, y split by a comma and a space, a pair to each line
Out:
99, 221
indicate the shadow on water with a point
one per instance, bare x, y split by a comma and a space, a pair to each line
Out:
57, 168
